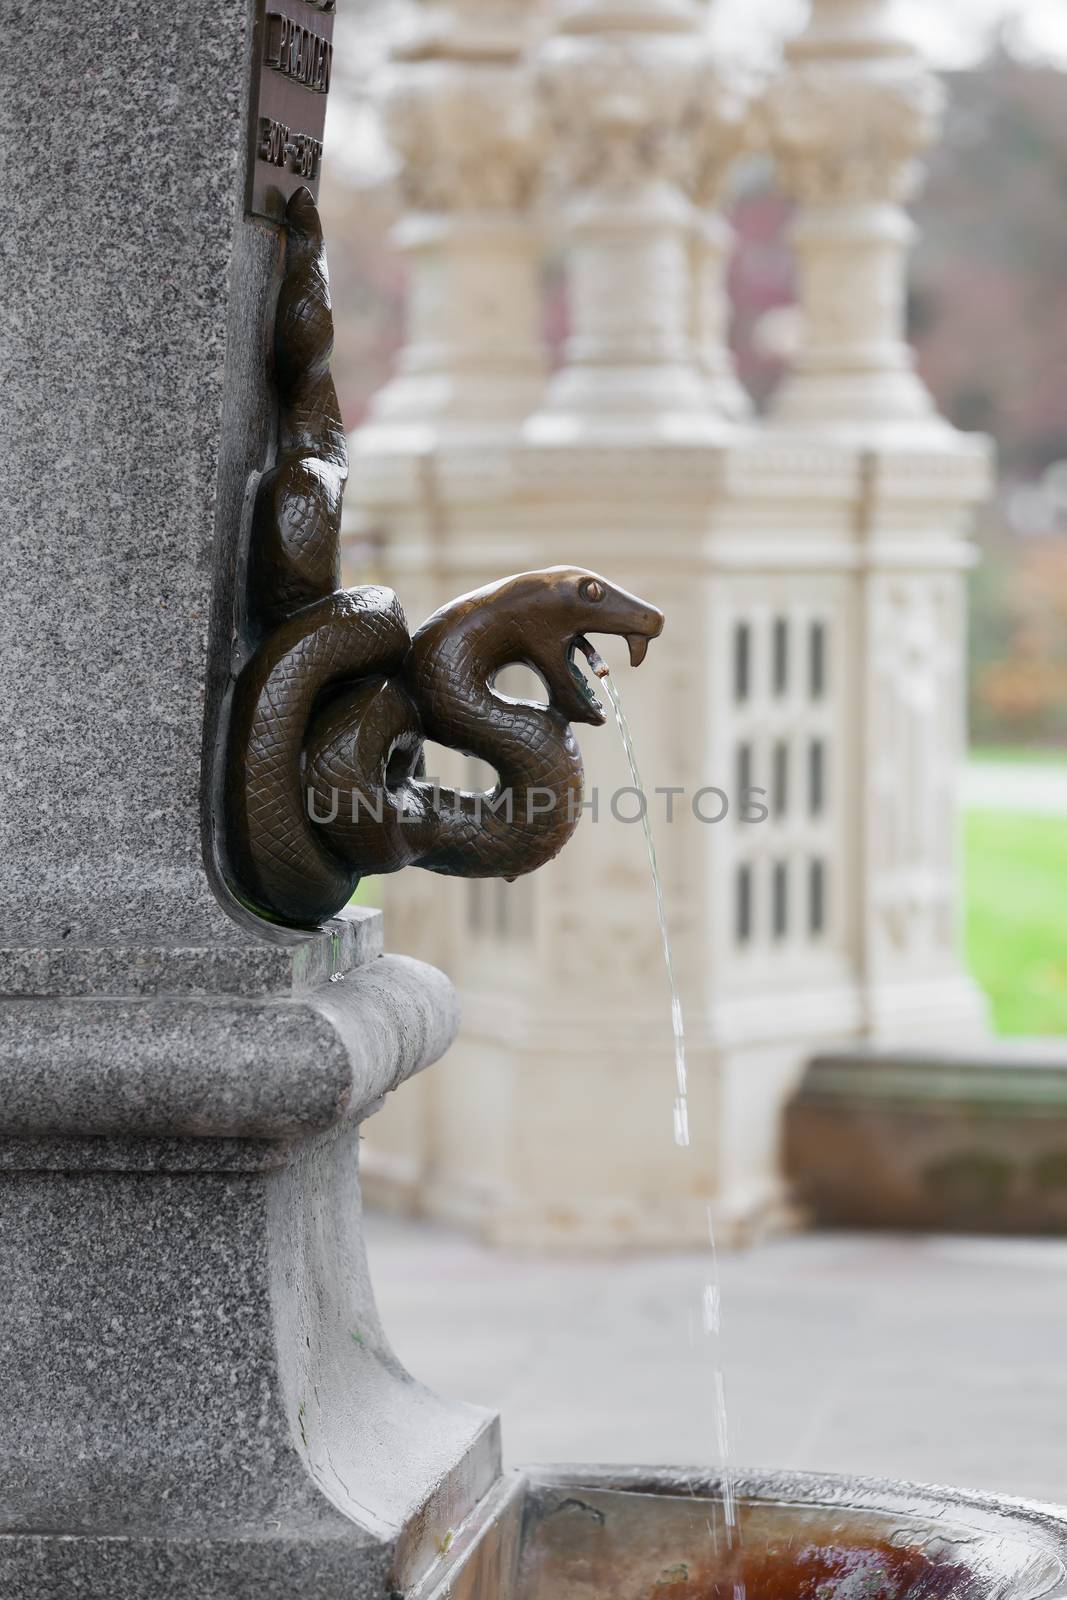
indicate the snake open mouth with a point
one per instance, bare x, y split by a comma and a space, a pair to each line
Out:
582, 684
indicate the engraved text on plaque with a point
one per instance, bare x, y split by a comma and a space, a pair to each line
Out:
292, 65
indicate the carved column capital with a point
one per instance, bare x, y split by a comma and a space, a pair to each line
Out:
719, 128
847, 120
618, 106
852, 131
466, 141
459, 109
620, 83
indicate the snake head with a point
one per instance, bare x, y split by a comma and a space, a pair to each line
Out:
561, 606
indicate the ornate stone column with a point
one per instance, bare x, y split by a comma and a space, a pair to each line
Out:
847, 119
721, 129
460, 113
620, 86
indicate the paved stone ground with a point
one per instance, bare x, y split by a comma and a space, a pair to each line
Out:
1026, 787
935, 1359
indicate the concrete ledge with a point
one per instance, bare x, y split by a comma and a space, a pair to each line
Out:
51, 962
221, 1068
908, 1138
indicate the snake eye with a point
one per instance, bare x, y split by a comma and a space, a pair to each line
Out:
590, 589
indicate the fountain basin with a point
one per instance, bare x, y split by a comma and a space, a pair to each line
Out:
659, 1534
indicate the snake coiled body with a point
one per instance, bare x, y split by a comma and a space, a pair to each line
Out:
324, 754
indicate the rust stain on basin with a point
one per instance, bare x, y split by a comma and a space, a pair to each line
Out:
862, 1570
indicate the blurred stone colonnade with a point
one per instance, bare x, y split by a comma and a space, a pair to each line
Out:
810, 562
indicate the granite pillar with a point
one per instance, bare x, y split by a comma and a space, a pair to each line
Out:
196, 1396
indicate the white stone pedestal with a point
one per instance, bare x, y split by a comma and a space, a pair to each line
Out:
813, 648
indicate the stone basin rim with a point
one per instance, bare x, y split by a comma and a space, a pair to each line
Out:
794, 1486
1000, 1524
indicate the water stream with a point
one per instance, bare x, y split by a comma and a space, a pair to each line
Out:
711, 1298
681, 1077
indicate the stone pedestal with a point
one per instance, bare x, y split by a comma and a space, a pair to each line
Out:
813, 597
197, 1397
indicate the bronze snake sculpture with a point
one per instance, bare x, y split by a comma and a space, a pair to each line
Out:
323, 773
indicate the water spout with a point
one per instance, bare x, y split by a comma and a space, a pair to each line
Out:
595, 659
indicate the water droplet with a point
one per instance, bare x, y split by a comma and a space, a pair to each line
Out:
712, 1308
681, 1076
681, 1122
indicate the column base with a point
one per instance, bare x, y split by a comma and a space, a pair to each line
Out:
467, 401
645, 402
856, 400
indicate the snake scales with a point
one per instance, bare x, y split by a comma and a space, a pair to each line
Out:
336, 697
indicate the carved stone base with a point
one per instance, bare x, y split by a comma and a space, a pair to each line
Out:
198, 1396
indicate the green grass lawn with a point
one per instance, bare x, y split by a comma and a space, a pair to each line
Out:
1016, 905
1020, 755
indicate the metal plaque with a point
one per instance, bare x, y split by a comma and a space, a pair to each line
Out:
292, 62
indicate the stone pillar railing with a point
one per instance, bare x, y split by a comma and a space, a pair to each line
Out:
460, 113
620, 85
847, 119
720, 131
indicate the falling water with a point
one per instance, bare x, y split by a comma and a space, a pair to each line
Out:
681, 1080
711, 1300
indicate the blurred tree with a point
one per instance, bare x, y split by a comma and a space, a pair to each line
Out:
990, 293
